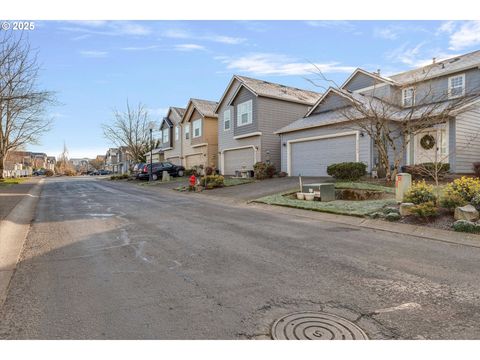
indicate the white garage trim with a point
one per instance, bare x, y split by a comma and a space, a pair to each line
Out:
222, 154
198, 145
329, 136
256, 133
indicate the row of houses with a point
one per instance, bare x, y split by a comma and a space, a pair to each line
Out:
301, 132
23, 163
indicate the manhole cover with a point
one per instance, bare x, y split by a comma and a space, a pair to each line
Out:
316, 326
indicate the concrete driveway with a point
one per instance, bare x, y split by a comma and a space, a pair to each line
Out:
257, 189
107, 260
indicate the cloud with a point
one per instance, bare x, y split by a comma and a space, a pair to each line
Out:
189, 47
464, 36
140, 48
183, 34
161, 111
447, 27
277, 64
107, 28
93, 53
338, 24
386, 33
417, 55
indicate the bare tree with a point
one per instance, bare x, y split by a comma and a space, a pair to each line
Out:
391, 125
131, 129
22, 103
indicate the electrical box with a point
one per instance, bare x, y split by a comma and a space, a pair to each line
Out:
403, 181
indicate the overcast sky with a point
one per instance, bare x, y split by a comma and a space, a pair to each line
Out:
95, 66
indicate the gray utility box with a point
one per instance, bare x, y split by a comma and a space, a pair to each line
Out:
325, 191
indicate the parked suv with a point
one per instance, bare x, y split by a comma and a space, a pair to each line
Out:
159, 168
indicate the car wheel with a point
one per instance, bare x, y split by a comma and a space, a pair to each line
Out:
180, 173
154, 177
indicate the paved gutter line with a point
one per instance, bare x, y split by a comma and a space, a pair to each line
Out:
14, 230
440, 235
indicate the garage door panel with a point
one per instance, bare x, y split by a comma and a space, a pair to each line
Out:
311, 158
239, 159
175, 160
193, 160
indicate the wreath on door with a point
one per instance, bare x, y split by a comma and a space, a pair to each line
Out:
427, 142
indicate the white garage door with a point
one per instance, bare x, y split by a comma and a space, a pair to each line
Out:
236, 160
311, 158
193, 160
175, 160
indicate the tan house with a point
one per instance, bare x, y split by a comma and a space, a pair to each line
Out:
200, 134
171, 135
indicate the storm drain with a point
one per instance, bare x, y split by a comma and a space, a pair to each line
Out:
316, 326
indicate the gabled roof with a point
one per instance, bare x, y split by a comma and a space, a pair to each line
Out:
439, 68
370, 74
342, 93
177, 110
271, 90
172, 121
204, 107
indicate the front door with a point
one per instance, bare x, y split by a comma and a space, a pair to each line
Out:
431, 146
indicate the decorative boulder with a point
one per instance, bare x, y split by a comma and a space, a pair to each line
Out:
406, 209
393, 216
467, 212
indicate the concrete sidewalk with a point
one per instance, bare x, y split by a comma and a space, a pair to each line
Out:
17, 204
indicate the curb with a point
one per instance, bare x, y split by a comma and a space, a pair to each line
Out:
14, 230
445, 236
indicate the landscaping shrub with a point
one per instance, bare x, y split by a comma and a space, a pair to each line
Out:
476, 168
466, 187
475, 201
69, 172
209, 170
263, 171
347, 170
425, 210
420, 171
419, 193
188, 172
212, 181
452, 199
466, 226
282, 174
49, 173
119, 177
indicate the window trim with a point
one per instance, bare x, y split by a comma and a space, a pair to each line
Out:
412, 97
239, 117
165, 132
229, 119
187, 131
177, 132
450, 96
197, 121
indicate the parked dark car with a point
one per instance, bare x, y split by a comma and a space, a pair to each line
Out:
104, 172
159, 168
39, 172
138, 168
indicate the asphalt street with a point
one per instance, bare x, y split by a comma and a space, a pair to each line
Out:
113, 260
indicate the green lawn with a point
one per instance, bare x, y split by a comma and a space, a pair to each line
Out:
237, 181
343, 207
11, 181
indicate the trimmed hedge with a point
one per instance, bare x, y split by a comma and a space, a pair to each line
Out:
347, 170
263, 171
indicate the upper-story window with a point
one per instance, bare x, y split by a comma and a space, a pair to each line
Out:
165, 135
177, 133
244, 113
197, 128
226, 119
187, 131
456, 86
408, 97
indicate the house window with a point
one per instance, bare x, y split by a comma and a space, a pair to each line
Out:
197, 128
187, 131
176, 132
456, 86
226, 120
408, 97
244, 113
165, 135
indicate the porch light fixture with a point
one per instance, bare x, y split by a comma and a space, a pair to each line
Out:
284, 144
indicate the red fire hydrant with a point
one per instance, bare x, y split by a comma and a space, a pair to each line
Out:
193, 181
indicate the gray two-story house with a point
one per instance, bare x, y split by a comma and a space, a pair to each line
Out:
446, 92
249, 112
171, 135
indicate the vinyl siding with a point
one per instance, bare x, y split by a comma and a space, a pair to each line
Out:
195, 116
360, 81
467, 142
364, 142
176, 144
331, 102
242, 96
274, 114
